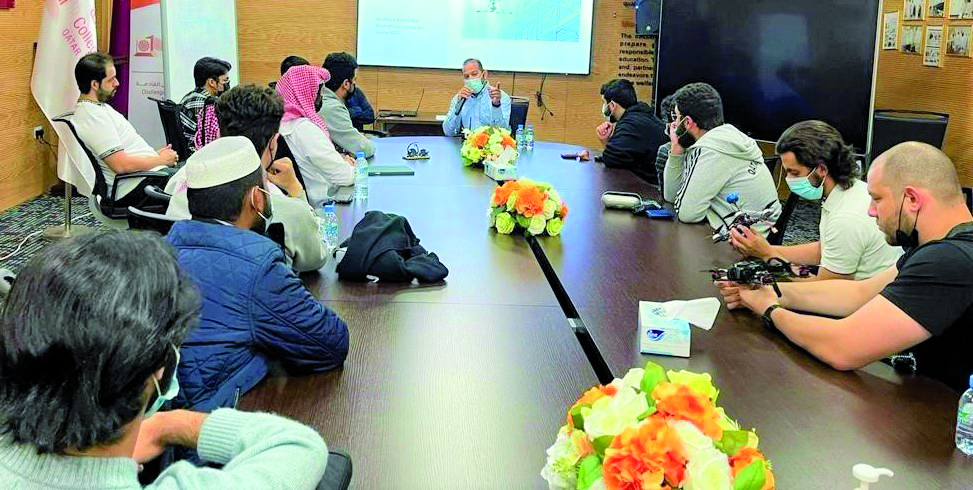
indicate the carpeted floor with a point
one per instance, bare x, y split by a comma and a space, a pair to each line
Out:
47, 211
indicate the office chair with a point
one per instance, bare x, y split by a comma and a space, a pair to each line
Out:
144, 220
518, 112
102, 200
777, 237
337, 476
169, 114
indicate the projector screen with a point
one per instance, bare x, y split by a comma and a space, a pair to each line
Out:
540, 36
192, 29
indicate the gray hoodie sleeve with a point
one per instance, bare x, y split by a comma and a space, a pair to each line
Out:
703, 179
302, 241
343, 133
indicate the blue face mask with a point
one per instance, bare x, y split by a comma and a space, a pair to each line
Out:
802, 187
170, 393
475, 85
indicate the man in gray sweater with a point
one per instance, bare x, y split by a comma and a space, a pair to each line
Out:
709, 160
343, 68
89, 343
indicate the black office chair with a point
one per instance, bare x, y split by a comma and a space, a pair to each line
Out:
337, 476
169, 114
777, 237
105, 197
284, 151
518, 112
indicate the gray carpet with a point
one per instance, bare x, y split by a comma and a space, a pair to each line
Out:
46, 211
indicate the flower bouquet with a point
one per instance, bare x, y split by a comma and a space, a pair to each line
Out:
525, 204
654, 429
488, 143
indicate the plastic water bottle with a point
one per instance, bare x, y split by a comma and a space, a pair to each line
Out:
529, 137
329, 228
361, 177
964, 422
520, 137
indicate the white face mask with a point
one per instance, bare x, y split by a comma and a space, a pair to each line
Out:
171, 392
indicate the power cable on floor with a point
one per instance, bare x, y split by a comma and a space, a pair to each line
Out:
32, 235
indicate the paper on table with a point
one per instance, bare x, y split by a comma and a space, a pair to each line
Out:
440, 117
699, 312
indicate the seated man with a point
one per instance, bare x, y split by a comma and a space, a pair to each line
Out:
710, 160
478, 103
662, 156
820, 166
86, 366
290, 62
631, 133
255, 112
255, 309
110, 137
343, 69
923, 305
359, 109
212, 79
306, 134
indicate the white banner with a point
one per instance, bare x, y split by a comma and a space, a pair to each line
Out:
145, 73
67, 33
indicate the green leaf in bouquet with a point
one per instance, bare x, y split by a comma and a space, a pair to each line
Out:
650, 412
601, 444
733, 441
523, 221
577, 420
751, 478
654, 374
589, 471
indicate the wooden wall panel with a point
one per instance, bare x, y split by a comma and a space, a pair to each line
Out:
904, 83
28, 167
312, 28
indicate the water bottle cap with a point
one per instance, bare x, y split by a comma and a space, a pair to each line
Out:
733, 198
971, 381
360, 154
531, 126
329, 208
520, 126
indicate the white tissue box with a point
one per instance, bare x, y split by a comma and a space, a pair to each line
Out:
662, 335
500, 173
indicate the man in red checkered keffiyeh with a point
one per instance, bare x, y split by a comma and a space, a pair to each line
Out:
300, 87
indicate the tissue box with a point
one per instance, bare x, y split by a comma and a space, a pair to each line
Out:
660, 334
499, 173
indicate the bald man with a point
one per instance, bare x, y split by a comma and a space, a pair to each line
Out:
919, 311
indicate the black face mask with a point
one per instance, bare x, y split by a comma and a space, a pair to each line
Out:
906, 240
685, 139
318, 102
611, 117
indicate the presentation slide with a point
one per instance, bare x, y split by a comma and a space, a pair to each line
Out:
540, 36
192, 29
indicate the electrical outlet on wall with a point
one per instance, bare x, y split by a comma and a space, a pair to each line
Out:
38, 132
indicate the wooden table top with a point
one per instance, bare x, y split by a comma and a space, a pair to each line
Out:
441, 395
404, 404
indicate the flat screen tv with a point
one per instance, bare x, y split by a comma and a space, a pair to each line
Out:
775, 63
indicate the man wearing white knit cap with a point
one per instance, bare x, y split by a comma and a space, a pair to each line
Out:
255, 308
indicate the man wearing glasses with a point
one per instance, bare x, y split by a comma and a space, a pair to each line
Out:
212, 79
710, 160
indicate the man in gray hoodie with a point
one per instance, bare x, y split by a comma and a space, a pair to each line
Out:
710, 160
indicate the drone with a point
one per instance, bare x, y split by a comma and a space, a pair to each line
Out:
743, 219
755, 272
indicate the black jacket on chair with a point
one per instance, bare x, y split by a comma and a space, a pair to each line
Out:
383, 245
635, 141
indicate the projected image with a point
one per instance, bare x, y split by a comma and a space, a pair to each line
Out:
523, 20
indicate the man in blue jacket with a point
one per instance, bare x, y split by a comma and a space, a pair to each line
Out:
255, 309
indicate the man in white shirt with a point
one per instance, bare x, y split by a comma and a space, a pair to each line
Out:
478, 103
820, 166
110, 137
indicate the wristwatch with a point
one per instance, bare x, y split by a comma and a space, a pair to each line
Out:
768, 321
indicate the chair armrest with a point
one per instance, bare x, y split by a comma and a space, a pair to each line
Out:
157, 195
133, 175
375, 132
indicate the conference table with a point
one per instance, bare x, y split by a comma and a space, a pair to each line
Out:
464, 384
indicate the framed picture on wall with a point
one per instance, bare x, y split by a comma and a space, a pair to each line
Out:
914, 10
911, 39
933, 46
959, 41
961, 9
890, 35
937, 8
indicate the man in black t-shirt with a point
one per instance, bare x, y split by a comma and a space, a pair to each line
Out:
922, 306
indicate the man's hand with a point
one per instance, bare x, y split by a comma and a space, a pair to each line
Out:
173, 428
750, 243
281, 173
349, 159
494, 94
674, 138
465, 93
756, 299
605, 131
169, 157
